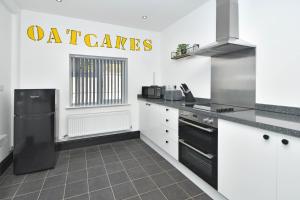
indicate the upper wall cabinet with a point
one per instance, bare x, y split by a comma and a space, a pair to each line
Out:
257, 164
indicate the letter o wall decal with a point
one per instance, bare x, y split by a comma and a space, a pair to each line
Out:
35, 33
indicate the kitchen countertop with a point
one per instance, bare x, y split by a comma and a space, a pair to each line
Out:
286, 124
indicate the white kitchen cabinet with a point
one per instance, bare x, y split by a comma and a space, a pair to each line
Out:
160, 124
246, 162
253, 167
288, 169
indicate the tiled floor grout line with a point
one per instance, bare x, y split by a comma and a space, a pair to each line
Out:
128, 174
87, 176
19, 187
107, 175
65, 185
43, 184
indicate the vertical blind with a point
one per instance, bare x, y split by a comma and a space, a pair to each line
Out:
98, 80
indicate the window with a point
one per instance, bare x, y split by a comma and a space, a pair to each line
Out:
98, 80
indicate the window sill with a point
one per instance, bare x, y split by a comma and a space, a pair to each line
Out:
96, 106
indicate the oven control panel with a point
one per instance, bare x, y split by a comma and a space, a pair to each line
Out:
199, 118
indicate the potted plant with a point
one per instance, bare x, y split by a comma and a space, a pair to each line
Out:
182, 48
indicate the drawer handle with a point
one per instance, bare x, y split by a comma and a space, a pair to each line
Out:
167, 109
167, 141
208, 156
266, 137
167, 120
285, 142
167, 131
196, 126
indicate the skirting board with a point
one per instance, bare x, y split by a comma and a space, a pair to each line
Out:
83, 142
6, 163
184, 170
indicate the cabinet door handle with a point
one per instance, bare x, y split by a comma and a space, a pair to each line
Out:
167, 141
167, 120
167, 131
285, 141
167, 109
266, 137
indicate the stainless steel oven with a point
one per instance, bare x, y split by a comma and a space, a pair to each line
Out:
198, 145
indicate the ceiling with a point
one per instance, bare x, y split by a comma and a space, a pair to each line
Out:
161, 13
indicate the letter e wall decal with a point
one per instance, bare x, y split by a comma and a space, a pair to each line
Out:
135, 44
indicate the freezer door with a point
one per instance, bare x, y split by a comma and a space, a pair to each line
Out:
34, 147
37, 101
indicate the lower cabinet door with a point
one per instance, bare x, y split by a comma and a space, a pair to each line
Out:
289, 168
246, 162
170, 146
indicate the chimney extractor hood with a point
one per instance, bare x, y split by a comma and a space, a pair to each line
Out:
227, 31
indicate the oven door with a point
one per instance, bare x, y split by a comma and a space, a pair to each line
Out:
202, 164
198, 135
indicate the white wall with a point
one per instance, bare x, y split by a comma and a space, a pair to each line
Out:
5, 80
45, 65
271, 25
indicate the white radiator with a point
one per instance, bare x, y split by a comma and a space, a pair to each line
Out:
88, 124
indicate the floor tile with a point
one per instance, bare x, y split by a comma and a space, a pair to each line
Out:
92, 155
125, 156
77, 188
80, 197
97, 183
190, 188
55, 193
36, 176
8, 191
94, 148
31, 196
105, 194
55, 181
144, 185
61, 169
30, 187
118, 177
114, 167
110, 159
107, 153
11, 180
124, 190
76, 176
139, 154
129, 164
174, 192
166, 165
145, 161
152, 169
177, 175
96, 171
153, 195
94, 162
74, 166
162, 179
136, 173
134, 198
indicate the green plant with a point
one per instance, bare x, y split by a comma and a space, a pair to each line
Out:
182, 48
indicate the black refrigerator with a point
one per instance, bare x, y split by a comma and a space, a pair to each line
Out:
34, 130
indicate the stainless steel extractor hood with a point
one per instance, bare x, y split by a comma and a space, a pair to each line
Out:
227, 31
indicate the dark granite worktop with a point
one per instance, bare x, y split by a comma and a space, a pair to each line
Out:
277, 121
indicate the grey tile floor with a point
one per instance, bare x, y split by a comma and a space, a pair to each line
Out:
127, 170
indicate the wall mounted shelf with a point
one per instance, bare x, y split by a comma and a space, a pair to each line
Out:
190, 51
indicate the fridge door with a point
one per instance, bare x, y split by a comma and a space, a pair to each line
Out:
34, 147
34, 101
